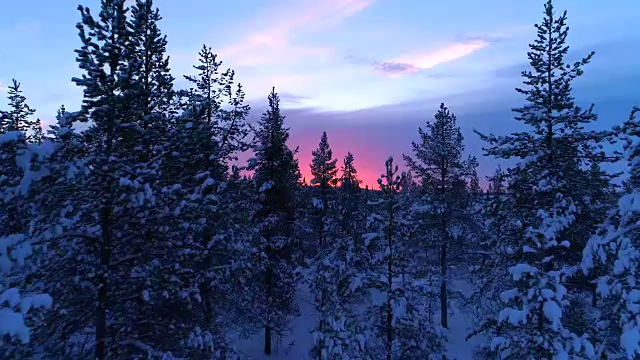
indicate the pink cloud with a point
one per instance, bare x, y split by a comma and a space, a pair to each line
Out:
280, 54
277, 42
411, 64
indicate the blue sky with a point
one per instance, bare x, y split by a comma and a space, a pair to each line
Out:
338, 61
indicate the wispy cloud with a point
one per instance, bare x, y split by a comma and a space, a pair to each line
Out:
278, 42
3, 89
292, 98
418, 62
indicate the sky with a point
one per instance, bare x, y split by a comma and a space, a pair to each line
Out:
369, 72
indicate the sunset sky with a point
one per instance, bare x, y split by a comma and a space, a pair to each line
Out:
368, 72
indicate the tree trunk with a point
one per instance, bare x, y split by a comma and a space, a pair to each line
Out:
321, 233
267, 328
443, 277
443, 247
105, 258
390, 282
323, 214
389, 327
443, 297
323, 301
267, 340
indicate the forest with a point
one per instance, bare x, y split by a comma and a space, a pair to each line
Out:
142, 236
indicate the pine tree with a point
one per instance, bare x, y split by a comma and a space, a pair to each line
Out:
276, 176
546, 187
439, 164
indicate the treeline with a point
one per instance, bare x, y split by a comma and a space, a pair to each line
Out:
137, 238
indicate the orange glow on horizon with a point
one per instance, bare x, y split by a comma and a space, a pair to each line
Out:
366, 178
368, 173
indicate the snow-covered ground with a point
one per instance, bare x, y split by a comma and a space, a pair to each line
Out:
459, 325
297, 344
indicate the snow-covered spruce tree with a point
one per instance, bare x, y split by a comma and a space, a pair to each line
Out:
212, 103
350, 199
146, 141
236, 299
37, 133
352, 208
276, 175
473, 227
502, 228
547, 190
52, 197
411, 259
336, 272
151, 78
100, 227
216, 101
396, 320
324, 171
212, 110
153, 73
599, 197
338, 285
443, 172
203, 200
16, 301
306, 222
16, 124
339, 334
474, 184
612, 254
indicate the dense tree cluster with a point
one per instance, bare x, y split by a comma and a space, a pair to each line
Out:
142, 237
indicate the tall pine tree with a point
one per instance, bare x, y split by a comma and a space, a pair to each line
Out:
444, 173
547, 191
276, 175
397, 323
324, 171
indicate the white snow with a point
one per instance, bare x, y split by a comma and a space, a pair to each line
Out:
265, 186
297, 344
